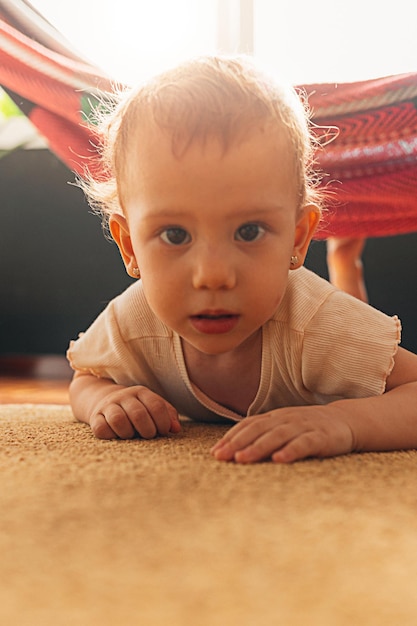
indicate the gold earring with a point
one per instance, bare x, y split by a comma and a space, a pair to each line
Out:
294, 260
136, 272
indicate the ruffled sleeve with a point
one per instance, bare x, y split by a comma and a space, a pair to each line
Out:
348, 349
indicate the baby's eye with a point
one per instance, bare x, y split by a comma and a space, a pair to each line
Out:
175, 236
249, 232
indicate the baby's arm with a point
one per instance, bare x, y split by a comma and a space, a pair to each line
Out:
114, 411
379, 423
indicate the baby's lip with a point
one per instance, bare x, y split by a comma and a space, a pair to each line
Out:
214, 321
215, 313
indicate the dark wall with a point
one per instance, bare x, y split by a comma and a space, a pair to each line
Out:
57, 271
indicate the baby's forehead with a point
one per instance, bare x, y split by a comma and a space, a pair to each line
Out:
157, 156
248, 170
151, 137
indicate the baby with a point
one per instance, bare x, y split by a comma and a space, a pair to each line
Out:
208, 188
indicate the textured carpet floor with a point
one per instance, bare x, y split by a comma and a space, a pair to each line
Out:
96, 533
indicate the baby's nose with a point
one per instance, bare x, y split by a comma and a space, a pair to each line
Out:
213, 268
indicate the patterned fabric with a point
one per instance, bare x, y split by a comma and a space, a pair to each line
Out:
371, 165
55, 88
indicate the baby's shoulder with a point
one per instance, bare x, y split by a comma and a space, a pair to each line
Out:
305, 294
311, 304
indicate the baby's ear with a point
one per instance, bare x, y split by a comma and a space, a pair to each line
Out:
120, 232
304, 231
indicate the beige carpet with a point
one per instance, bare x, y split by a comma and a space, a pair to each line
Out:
96, 533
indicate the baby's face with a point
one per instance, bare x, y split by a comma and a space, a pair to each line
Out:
213, 234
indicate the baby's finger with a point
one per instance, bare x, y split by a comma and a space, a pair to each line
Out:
175, 421
162, 414
307, 444
246, 436
139, 417
101, 429
263, 447
261, 441
231, 434
118, 420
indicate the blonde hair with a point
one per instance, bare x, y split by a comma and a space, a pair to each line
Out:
208, 97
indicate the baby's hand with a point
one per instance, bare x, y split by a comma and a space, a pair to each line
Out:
130, 411
286, 435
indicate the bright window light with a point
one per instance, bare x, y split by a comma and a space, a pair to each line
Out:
303, 41
335, 40
133, 40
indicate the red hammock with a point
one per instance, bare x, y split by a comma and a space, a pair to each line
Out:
371, 165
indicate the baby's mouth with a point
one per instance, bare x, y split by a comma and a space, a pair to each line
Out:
216, 322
